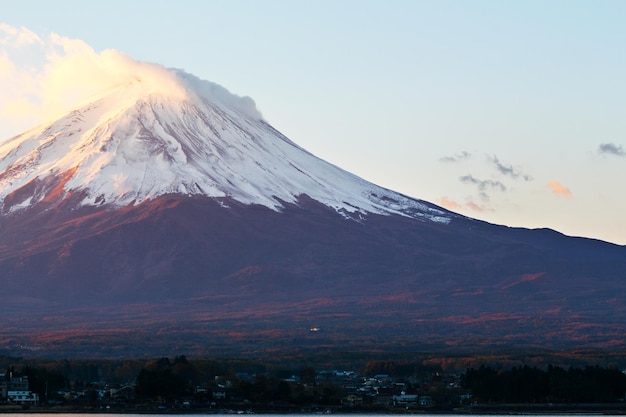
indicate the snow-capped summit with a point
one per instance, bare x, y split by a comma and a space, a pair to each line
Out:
166, 203
168, 132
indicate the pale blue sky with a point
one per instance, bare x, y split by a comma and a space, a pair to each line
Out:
495, 109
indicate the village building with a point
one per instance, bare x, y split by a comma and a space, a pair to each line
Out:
15, 389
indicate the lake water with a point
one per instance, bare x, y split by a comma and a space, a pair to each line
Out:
298, 415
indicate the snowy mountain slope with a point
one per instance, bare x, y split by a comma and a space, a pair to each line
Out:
168, 204
144, 139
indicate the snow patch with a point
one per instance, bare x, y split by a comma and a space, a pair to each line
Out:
170, 132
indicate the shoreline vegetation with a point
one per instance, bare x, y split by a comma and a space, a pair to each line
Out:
299, 385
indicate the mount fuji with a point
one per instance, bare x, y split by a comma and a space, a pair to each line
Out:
140, 141
165, 214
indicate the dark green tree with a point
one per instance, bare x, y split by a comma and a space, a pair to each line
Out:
307, 375
43, 381
159, 379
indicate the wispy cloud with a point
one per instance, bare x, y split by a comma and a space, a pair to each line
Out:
476, 207
456, 157
559, 189
449, 204
482, 184
612, 149
508, 170
17, 37
456, 206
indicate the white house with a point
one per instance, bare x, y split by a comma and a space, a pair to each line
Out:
22, 397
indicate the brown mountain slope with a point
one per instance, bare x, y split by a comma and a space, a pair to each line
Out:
187, 273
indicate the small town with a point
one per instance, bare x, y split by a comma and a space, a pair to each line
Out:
181, 385
328, 390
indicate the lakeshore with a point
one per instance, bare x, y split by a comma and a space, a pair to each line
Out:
614, 409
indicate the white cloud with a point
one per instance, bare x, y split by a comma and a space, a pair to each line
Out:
42, 78
17, 37
6, 66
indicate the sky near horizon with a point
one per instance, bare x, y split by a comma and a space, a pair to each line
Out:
511, 112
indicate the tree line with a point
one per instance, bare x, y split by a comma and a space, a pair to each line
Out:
264, 381
166, 381
592, 384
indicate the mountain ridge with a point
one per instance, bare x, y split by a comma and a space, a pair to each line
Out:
133, 144
188, 221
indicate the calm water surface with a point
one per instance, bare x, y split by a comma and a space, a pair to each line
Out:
293, 415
